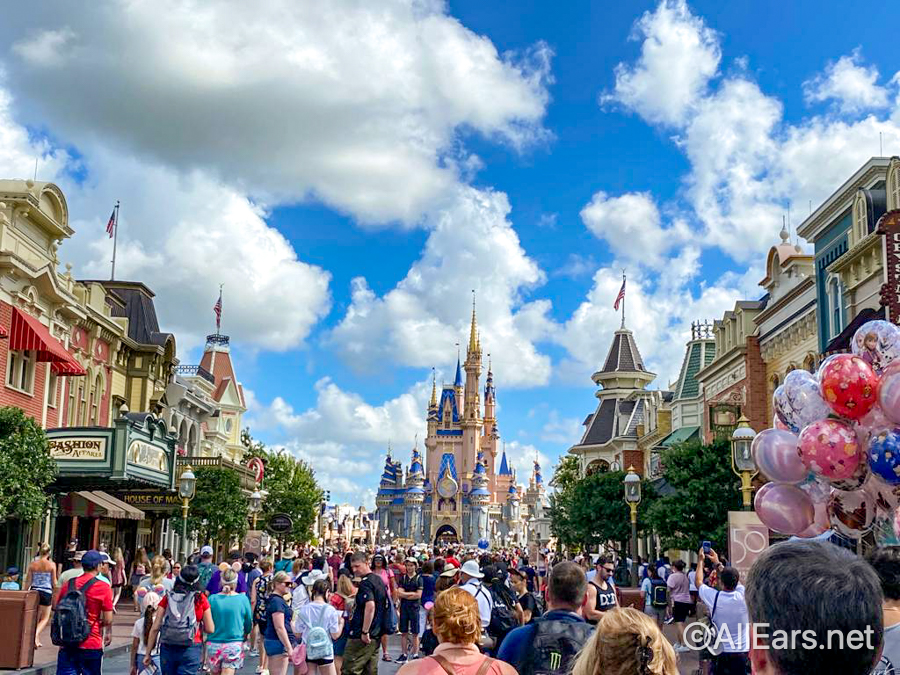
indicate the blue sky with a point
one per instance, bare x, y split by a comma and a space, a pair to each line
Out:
351, 174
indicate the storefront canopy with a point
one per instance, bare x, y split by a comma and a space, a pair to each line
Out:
99, 504
26, 332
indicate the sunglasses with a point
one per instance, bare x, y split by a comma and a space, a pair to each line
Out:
610, 569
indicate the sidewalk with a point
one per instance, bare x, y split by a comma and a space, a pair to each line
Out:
45, 657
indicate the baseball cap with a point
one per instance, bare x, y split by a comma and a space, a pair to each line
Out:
12, 571
411, 559
206, 550
106, 558
91, 559
78, 556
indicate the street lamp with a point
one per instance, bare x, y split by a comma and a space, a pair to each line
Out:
187, 483
742, 458
633, 498
255, 504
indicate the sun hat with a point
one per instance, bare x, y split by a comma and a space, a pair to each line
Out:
470, 567
450, 571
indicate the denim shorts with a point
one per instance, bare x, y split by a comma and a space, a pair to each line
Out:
273, 647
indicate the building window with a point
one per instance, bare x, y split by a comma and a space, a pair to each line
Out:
837, 320
95, 401
860, 221
71, 411
82, 404
893, 185
20, 371
52, 386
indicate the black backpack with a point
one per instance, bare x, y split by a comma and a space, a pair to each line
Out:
659, 593
554, 646
70, 625
538, 605
503, 615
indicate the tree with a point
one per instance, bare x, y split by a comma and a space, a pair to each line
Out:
26, 467
219, 509
292, 490
705, 490
592, 510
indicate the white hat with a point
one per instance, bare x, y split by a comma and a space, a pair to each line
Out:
450, 571
312, 577
470, 567
290, 554
206, 550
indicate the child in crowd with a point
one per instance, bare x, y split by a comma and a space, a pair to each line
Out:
140, 632
11, 580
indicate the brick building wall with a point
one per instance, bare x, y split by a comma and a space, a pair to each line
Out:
757, 407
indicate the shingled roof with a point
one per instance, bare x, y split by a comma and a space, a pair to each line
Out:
623, 356
143, 326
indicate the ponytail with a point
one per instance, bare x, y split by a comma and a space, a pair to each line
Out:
149, 615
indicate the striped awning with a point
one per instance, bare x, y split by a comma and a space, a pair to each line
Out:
26, 332
98, 504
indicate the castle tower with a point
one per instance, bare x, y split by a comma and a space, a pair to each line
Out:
414, 498
480, 499
471, 418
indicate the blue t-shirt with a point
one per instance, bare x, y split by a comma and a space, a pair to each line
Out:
10, 586
515, 646
277, 604
428, 582
232, 617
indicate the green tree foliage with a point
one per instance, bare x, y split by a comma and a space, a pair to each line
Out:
705, 491
219, 510
26, 467
290, 484
592, 510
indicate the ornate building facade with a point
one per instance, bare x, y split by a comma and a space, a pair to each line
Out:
462, 489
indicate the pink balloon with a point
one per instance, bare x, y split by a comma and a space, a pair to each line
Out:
830, 448
784, 508
889, 392
852, 513
821, 522
776, 455
874, 422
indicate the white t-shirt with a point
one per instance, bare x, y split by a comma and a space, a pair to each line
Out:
483, 598
647, 589
731, 615
692, 580
138, 632
313, 614
299, 598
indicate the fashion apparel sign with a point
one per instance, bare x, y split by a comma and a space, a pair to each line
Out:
88, 449
889, 228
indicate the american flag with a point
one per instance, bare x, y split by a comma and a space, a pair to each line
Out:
620, 297
111, 225
218, 310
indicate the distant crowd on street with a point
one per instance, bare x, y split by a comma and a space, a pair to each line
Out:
463, 611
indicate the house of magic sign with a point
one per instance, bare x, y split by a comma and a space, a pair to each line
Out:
889, 228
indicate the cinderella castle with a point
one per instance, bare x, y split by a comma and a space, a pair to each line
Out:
459, 491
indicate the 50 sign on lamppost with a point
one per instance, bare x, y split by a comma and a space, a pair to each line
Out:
255, 504
742, 462
187, 483
633, 498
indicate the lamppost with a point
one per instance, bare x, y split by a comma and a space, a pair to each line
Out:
187, 483
255, 504
633, 498
742, 458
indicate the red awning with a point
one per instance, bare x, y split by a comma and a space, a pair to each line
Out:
26, 332
3, 333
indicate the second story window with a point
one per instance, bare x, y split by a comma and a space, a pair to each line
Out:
20, 371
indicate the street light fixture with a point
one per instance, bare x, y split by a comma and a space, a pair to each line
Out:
187, 484
255, 504
633, 498
742, 462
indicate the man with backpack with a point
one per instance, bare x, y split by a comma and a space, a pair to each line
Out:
549, 644
82, 621
367, 622
409, 588
655, 594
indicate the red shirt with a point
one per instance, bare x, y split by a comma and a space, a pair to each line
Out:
98, 600
201, 604
453, 561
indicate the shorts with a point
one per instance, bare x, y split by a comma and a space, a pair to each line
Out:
46, 598
225, 655
658, 613
320, 662
409, 619
680, 611
273, 647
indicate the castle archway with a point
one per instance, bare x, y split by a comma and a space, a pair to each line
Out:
446, 534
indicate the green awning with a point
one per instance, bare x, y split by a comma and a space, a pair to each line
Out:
680, 436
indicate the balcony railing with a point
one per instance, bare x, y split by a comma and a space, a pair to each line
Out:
195, 371
248, 477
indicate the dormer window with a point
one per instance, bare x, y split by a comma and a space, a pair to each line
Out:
860, 218
835, 306
893, 186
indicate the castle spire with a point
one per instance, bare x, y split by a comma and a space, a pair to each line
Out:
473, 330
433, 403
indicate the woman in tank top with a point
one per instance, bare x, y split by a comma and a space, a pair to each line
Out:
41, 577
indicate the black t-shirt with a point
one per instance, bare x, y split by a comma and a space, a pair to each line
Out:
606, 599
410, 585
528, 604
530, 574
371, 588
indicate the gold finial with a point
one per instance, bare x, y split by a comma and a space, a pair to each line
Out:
433, 389
473, 331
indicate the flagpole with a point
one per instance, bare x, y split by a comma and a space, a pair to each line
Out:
112, 276
623, 299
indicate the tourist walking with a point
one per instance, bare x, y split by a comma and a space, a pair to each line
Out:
457, 625
470, 577
319, 624
367, 622
409, 589
279, 640
259, 594
626, 641
183, 615
654, 593
141, 631
343, 601
83, 593
380, 568
139, 567
41, 577
233, 620
117, 573
601, 594
680, 601
728, 611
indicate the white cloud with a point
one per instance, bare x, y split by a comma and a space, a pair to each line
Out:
631, 226
348, 103
562, 430
520, 457
679, 55
472, 245
851, 85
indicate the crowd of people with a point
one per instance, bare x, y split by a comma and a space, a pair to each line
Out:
469, 612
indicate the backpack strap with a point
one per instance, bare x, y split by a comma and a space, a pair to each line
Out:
485, 665
445, 664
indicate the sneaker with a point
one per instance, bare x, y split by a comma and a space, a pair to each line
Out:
415, 656
681, 649
669, 620
254, 653
402, 658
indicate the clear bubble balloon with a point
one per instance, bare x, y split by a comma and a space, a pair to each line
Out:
889, 392
885, 497
884, 455
798, 401
877, 343
851, 513
821, 522
849, 385
830, 448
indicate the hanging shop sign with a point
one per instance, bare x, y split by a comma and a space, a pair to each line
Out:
889, 228
280, 523
78, 449
148, 456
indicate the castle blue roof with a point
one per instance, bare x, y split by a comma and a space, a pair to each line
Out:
479, 468
392, 474
415, 491
479, 492
397, 500
448, 465
504, 467
415, 467
450, 394
458, 382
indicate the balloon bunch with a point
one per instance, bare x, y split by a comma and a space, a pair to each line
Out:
833, 456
